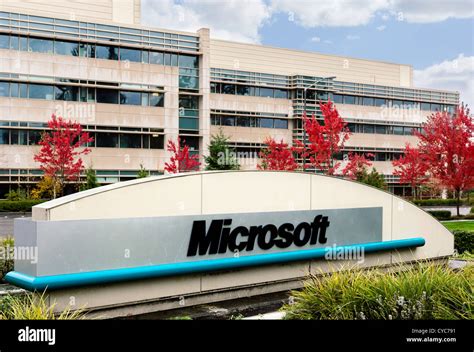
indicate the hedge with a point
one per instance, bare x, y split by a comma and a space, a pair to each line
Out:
464, 241
441, 214
18, 205
441, 202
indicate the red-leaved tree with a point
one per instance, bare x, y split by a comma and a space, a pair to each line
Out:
181, 160
447, 142
412, 168
325, 140
357, 165
277, 156
61, 147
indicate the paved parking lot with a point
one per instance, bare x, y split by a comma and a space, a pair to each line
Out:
6, 222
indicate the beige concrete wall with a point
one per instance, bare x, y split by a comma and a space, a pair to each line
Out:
119, 11
382, 113
251, 104
21, 157
265, 59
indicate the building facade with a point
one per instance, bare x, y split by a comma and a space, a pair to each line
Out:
134, 88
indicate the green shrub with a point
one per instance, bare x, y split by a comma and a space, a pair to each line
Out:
33, 307
18, 206
440, 214
6, 263
472, 210
424, 291
464, 241
441, 202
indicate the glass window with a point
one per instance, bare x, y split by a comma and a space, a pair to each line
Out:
131, 55
66, 93
106, 140
106, 52
367, 101
23, 90
243, 121
40, 91
107, 96
352, 127
243, 90
349, 99
14, 43
337, 98
188, 82
228, 88
408, 131
215, 120
130, 141
4, 41
188, 61
4, 89
380, 102
368, 129
34, 137
397, 103
4, 136
187, 123
380, 156
266, 92
24, 44
145, 57
189, 102
174, 60
14, 90
426, 106
19, 137
381, 129
398, 130
215, 88
130, 98
435, 107
280, 123
66, 48
228, 121
281, 94
157, 99
156, 141
41, 45
167, 59
266, 123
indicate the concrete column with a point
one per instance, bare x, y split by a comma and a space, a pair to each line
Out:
204, 90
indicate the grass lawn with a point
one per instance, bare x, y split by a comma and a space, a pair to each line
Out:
459, 225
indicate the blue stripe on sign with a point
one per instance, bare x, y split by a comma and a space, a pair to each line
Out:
114, 275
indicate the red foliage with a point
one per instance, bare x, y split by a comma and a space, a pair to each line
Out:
181, 160
412, 167
356, 165
277, 156
59, 153
447, 143
325, 141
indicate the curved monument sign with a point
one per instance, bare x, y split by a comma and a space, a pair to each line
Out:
206, 222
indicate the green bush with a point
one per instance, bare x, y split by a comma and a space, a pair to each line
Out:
440, 214
31, 306
420, 292
472, 210
6, 264
464, 241
18, 206
441, 202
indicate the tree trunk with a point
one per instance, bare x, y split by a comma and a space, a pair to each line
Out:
458, 201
